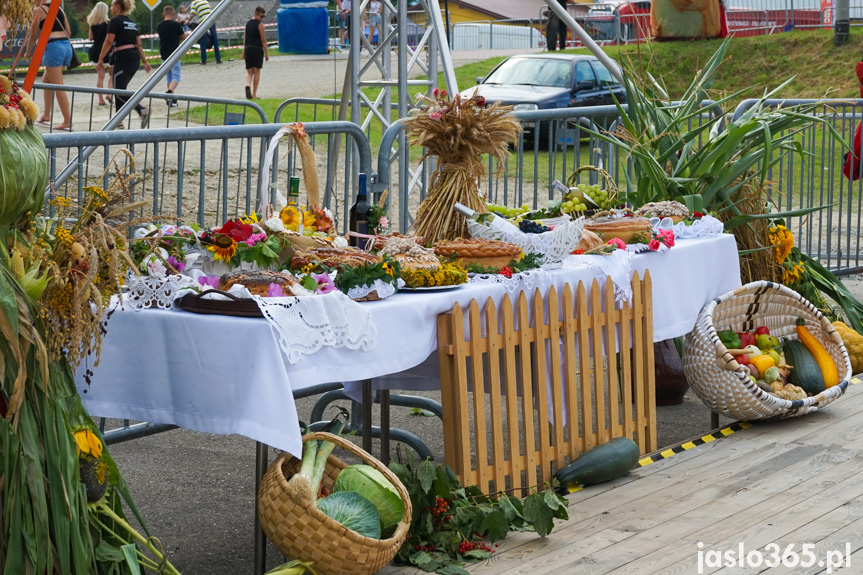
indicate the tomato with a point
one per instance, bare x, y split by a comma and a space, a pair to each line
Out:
762, 330
742, 359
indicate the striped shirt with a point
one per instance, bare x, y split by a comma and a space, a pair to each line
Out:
201, 9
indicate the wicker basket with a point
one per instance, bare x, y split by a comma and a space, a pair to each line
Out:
723, 384
301, 531
613, 191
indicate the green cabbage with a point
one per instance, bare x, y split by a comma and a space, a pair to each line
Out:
371, 484
23, 173
353, 511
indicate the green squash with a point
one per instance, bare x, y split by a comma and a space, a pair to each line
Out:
23, 173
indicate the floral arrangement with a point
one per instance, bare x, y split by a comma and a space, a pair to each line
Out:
450, 273
345, 278
16, 107
379, 223
516, 266
314, 221
458, 132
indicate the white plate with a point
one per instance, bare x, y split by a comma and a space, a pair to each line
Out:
432, 288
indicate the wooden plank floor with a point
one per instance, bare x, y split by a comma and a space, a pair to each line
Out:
793, 481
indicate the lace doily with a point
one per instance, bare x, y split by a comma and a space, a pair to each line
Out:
306, 324
384, 289
527, 280
155, 292
617, 266
553, 246
705, 227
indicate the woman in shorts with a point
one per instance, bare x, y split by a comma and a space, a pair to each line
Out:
255, 51
58, 53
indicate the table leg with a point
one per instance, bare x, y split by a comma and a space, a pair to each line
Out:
260, 561
368, 402
385, 427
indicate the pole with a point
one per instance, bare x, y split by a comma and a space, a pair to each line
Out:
151, 28
142, 92
446, 14
586, 39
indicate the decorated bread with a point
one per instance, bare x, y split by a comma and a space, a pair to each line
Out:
667, 209
630, 230
589, 241
485, 253
409, 254
257, 282
334, 257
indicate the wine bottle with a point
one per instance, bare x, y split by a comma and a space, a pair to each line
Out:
359, 214
294, 191
489, 219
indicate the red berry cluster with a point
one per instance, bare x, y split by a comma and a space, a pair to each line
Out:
428, 548
506, 272
440, 507
466, 546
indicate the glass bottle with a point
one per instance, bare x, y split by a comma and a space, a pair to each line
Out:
359, 214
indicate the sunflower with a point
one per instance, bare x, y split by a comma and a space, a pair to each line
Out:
388, 269
250, 219
792, 273
88, 443
310, 221
290, 217
223, 248
782, 241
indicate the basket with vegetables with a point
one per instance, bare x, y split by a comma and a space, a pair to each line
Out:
764, 352
345, 520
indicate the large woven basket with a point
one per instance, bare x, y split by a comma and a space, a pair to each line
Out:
723, 384
301, 531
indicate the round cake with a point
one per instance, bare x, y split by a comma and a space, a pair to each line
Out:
409, 254
630, 230
485, 253
257, 282
667, 209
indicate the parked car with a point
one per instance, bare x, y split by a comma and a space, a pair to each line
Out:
548, 82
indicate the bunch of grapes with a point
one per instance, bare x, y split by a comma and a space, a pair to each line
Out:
532, 227
508, 213
572, 205
598, 195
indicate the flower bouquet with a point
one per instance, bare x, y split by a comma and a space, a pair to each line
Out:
458, 132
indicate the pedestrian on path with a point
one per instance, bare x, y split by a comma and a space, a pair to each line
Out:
171, 33
124, 39
374, 13
255, 51
97, 22
58, 53
345, 11
556, 30
201, 9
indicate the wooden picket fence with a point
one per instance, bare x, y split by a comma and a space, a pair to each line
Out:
508, 384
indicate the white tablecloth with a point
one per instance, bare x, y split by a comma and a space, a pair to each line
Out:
220, 374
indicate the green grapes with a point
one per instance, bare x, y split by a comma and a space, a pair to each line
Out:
506, 212
598, 195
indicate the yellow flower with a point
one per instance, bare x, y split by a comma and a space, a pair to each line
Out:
290, 217
63, 236
782, 241
308, 268
309, 220
97, 191
223, 248
88, 443
388, 269
250, 219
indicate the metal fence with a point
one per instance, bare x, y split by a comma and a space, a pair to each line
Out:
204, 174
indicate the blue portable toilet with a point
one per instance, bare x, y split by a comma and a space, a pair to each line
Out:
304, 27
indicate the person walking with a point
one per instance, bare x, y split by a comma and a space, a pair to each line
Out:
170, 33
58, 53
340, 18
255, 51
97, 22
374, 13
125, 41
346, 18
201, 9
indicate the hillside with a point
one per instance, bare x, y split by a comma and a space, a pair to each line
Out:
760, 62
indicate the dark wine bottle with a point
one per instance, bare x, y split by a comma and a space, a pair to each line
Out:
359, 214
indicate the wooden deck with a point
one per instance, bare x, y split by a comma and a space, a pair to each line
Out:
793, 481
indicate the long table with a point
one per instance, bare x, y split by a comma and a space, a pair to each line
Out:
224, 375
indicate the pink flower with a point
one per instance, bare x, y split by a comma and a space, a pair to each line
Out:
435, 115
666, 237
325, 284
177, 265
384, 223
255, 238
275, 290
617, 242
436, 92
212, 281
653, 245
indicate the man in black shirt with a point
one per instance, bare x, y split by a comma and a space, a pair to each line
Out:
171, 33
556, 30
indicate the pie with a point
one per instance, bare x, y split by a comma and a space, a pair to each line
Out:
630, 230
257, 282
484, 253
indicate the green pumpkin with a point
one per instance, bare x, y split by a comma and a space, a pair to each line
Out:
23, 173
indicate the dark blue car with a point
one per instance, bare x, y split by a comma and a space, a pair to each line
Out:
549, 81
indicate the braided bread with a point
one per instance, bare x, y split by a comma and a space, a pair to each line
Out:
481, 252
334, 257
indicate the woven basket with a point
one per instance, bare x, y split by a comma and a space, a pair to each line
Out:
613, 191
723, 384
301, 531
